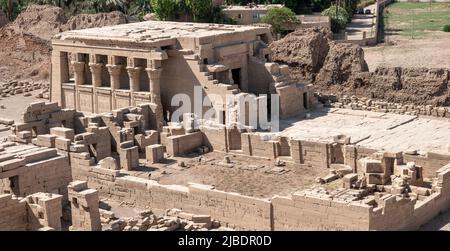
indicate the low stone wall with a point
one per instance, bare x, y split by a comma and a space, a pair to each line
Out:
32, 169
242, 212
39, 211
13, 214
431, 161
300, 211
399, 214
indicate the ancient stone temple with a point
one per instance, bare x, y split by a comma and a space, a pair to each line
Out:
102, 69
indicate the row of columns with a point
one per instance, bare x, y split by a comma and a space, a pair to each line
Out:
115, 69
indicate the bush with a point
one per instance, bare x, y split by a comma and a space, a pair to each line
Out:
338, 20
446, 28
277, 17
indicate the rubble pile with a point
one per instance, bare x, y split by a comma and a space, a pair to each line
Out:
24, 87
172, 220
368, 104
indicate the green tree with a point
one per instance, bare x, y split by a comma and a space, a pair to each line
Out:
339, 17
199, 9
277, 17
164, 9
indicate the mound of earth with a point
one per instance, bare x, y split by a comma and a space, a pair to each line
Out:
304, 51
420, 86
23, 56
85, 21
343, 62
42, 21
25, 42
340, 69
3, 19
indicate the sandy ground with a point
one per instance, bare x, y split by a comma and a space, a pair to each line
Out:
439, 223
14, 106
246, 175
432, 52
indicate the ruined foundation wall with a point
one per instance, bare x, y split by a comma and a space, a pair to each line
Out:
400, 215
301, 211
51, 176
308, 213
13, 214
33, 170
243, 212
431, 162
39, 211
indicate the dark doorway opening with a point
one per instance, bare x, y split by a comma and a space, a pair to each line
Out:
305, 100
236, 73
14, 185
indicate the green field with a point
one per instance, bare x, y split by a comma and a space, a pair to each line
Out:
417, 19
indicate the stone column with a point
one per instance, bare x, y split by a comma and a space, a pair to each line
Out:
154, 75
134, 74
114, 73
78, 72
96, 69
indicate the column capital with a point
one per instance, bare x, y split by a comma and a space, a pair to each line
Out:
134, 71
114, 69
95, 66
154, 73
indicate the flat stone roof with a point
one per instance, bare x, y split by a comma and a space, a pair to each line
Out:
388, 131
156, 31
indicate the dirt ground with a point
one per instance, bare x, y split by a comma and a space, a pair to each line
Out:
14, 106
246, 175
439, 223
432, 51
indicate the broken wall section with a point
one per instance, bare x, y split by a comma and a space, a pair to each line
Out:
40, 211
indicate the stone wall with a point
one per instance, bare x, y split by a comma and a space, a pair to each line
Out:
13, 214
305, 210
27, 169
242, 212
40, 211
400, 214
301, 212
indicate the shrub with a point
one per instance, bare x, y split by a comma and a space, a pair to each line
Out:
339, 20
446, 28
277, 17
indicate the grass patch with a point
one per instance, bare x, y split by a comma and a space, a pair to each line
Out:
417, 18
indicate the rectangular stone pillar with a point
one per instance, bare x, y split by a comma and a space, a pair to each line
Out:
44, 210
85, 207
60, 75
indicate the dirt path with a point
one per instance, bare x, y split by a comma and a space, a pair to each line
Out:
432, 52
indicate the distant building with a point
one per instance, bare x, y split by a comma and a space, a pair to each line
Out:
249, 14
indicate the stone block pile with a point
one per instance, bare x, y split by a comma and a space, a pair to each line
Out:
366, 104
172, 220
12, 88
